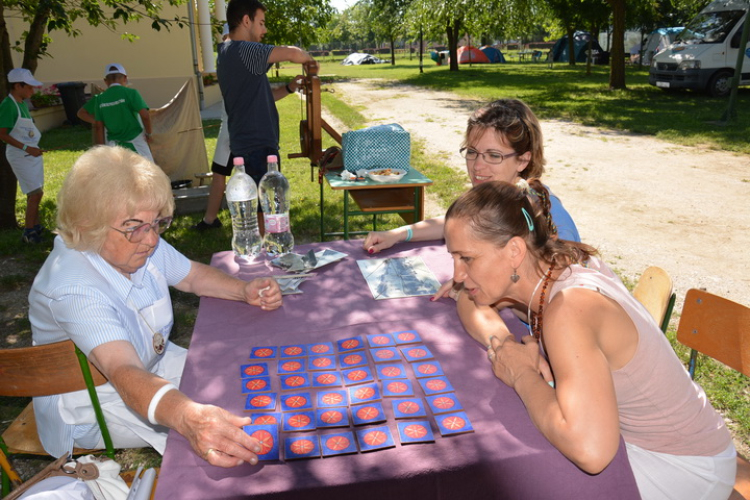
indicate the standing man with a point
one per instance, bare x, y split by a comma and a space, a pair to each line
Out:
249, 99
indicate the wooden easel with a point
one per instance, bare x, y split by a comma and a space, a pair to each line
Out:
310, 129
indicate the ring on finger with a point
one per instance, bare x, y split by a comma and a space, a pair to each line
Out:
208, 452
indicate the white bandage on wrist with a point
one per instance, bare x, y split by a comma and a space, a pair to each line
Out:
156, 400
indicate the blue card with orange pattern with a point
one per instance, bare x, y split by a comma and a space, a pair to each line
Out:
415, 431
264, 401
292, 365
391, 371
318, 363
320, 348
326, 379
256, 384
385, 355
295, 381
296, 401
254, 370
416, 353
453, 423
293, 351
350, 344
380, 340
301, 447
435, 385
340, 443
444, 403
397, 388
352, 359
331, 417
369, 413
407, 337
332, 398
298, 421
428, 369
268, 437
358, 375
409, 408
266, 418
375, 438
366, 393
264, 352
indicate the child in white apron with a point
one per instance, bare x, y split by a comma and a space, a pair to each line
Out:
21, 136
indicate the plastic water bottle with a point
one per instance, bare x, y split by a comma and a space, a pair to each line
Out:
274, 199
242, 198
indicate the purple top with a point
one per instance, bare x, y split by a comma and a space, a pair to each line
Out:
505, 456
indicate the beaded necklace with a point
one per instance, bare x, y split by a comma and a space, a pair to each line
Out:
536, 321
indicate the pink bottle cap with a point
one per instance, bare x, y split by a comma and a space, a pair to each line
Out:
272, 159
238, 160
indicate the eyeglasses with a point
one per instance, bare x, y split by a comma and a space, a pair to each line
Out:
138, 233
492, 157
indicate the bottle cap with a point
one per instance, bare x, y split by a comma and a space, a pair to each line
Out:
238, 160
272, 159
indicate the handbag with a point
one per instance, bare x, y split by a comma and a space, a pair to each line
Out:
378, 147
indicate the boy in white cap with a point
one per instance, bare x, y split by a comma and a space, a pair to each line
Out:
18, 131
118, 110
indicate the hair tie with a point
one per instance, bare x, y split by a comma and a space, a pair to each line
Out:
523, 185
529, 220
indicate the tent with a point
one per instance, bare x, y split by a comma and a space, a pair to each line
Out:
580, 45
659, 40
493, 54
469, 54
358, 58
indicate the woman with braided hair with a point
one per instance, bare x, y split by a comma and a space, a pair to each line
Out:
596, 366
503, 142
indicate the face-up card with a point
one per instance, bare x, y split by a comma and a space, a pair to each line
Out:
293, 351
328, 399
268, 437
364, 393
295, 365
391, 371
254, 370
397, 388
416, 353
435, 385
408, 408
350, 344
298, 421
317, 363
385, 355
256, 384
407, 337
359, 375
352, 359
444, 403
369, 413
341, 443
331, 417
301, 447
380, 340
326, 379
265, 401
297, 401
295, 381
418, 431
273, 418
427, 369
321, 348
453, 423
375, 438
265, 352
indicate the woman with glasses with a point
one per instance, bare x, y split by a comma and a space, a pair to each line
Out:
503, 142
105, 287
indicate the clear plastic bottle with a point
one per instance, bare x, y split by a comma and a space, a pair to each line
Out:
274, 199
242, 198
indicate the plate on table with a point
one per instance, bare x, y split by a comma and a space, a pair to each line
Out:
386, 174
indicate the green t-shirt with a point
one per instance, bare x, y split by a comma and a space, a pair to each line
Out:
118, 107
9, 112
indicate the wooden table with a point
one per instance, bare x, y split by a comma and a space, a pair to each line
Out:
404, 197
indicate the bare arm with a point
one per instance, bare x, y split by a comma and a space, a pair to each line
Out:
7, 139
85, 116
146, 119
99, 132
426, 230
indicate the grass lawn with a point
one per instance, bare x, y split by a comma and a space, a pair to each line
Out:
558, 93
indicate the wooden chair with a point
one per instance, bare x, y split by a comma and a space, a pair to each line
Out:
44, 371
719, 328
654, 291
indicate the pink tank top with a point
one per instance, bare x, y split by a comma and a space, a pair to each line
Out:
661, 408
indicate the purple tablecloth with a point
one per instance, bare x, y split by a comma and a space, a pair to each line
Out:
506, 457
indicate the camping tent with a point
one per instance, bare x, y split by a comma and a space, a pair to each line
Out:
659, 40
493, 54
358, 58
580, 45
469, 54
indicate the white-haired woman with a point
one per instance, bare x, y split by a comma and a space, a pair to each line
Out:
105, 287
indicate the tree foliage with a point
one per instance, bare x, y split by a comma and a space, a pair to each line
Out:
296, 22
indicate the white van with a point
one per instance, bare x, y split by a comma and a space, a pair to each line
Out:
704, 55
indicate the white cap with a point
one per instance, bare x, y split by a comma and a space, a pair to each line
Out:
23, 75
225, 30
111, 69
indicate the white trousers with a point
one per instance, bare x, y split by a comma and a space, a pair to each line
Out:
674, 477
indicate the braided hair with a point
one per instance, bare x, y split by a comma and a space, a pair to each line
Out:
498, 211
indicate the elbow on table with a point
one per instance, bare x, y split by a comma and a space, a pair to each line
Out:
594, 459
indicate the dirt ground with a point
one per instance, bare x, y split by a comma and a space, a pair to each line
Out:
639, 200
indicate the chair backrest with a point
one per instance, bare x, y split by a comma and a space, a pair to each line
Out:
43, 370
654, 291
716, 327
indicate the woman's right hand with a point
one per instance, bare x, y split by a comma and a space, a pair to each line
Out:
380, 240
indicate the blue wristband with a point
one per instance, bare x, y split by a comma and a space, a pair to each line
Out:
409, 233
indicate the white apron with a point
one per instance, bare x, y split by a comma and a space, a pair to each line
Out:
221, 153
127, 428
29, 170
139, 145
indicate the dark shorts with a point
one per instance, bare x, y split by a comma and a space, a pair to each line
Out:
256, 164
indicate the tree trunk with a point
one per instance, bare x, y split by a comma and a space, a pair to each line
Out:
35, 38
393, 51
617, 56
452, 31
8, 182
571, 48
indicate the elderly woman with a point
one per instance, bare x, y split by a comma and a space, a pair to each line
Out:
612, 370
105, 287
503, 143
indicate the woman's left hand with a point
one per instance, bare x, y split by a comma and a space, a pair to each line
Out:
263, 292
449, 289
511, 360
